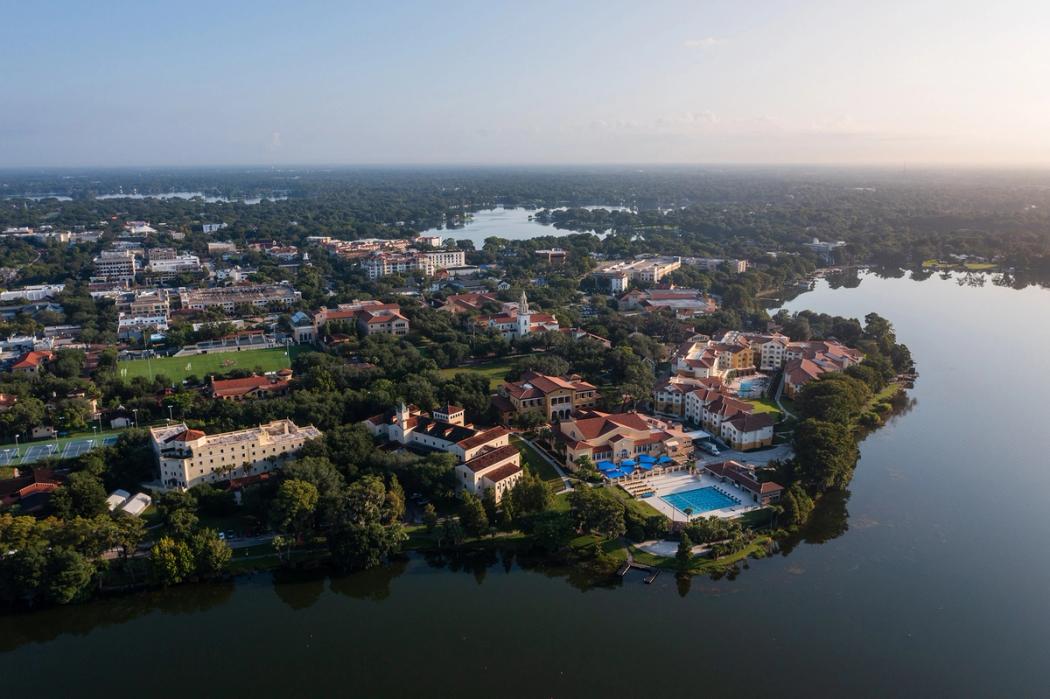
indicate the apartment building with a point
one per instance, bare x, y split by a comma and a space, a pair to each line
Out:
229, 297
116, 265
620, 273
382, 264
187, 457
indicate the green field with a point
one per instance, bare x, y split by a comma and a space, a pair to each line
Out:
201, 365
536, 463
764, 405
494, 371
969, 266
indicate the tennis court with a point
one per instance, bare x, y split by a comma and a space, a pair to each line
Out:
77, 447
38, 451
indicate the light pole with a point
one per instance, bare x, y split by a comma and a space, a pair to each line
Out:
136, 411
171, 416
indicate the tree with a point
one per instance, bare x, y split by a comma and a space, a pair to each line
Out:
430, 517
472, 514
210, 553
171, 561
551, 531
69, 576
181, 523
684, 555
594, 509
825, 453
530, 494
798, 505
292, 509
82, 495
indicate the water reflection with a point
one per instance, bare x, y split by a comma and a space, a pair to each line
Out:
19, 628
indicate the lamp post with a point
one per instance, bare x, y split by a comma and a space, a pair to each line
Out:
136, 412
171, 416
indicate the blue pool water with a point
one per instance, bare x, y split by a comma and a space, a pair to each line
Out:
700, 500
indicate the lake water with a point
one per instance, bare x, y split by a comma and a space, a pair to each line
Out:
931, 579
191, 195
510, 224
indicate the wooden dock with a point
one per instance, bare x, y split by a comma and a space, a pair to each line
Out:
628, 565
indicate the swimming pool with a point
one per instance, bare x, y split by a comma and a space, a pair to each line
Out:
700, 500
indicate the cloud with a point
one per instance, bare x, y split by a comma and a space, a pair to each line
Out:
706, 42
275, 139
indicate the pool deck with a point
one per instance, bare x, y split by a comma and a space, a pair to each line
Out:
680, 482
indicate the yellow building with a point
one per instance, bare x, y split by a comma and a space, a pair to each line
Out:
551, 396
190, 457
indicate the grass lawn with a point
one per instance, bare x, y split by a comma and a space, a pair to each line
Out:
201, 365
635, 504
970, 266
535, 462
494, 371
765, 405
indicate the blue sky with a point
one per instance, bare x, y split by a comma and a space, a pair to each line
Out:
189, 83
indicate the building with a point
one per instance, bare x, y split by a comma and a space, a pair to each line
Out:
442, 430
496, 470
116, 265
155, 302
187, 458
229, 297
369, 317
745, 478
32, 362
669, 396
270, 385
650, 270
165, 263
620, 437
382, 264
212, 228
684, 303
807, 361
553, 397
222, 248
130, 327
747, 431
485, 459
427, 241
468, 303
518, 321
713, 264
554, 256
35, 292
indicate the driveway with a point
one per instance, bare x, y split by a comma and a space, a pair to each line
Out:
780, 452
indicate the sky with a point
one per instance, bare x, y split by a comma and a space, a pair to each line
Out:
922, 82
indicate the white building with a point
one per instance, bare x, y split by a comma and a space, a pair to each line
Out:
190, 457
116, 265
35, 292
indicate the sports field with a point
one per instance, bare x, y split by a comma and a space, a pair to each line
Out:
64, 448
201, 365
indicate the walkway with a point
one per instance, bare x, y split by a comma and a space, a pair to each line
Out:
776, 396
546, 457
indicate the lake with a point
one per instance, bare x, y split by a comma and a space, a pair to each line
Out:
510, 224
930, 579
209, 199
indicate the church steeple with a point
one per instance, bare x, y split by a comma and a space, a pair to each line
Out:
523, 304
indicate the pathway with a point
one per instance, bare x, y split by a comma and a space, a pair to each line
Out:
567, 484
776, 396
